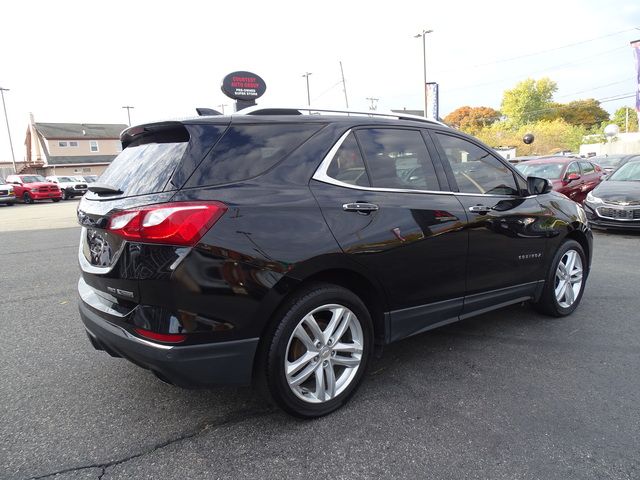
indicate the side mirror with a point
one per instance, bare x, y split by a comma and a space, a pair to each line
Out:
571, 177
538, 186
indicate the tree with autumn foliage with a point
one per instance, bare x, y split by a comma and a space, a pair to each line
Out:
471, 119
620, 119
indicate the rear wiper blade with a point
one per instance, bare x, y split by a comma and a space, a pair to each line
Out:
98, 187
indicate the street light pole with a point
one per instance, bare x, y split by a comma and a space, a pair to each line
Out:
308, 95
128, 114
6, 118
424, 65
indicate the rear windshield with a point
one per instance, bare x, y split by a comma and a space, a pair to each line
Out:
147, 164
246, 151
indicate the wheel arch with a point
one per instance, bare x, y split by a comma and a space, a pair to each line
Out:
579, 236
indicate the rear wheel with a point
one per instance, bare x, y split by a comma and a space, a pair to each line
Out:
55, 200
64, 194
565, 281
319, 351
26, 198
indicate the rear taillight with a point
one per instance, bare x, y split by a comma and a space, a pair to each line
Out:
161, 337
179, 223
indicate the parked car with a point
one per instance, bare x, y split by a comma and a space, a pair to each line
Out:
570, 176
283, 248
7, 195
69, 186
615, 203
29, 188
88, 178
610, 162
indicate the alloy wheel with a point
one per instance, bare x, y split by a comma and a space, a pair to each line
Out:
568, 279
324, 353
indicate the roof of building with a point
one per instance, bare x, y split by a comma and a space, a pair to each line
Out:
87, 131
80, 159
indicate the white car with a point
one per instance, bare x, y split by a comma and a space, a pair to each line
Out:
69, 186
7, 196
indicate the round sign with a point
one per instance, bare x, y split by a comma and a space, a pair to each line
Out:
243, 86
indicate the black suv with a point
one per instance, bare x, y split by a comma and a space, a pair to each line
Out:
283, 248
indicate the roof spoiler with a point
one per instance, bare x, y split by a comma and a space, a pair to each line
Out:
205, 112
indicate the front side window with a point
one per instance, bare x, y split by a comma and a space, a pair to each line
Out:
475, 169
347, 165
93, 146
572, 168
397, 159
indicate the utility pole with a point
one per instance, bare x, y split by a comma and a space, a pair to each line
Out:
6, 118
374, 103
424, 65
222, 105
128, 114
344, 86
306, 75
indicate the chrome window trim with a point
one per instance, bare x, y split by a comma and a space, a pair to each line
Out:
321, 176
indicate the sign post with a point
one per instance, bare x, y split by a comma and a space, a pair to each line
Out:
244, 88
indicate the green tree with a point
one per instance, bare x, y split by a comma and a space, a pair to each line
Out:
587, 113
620, 119
471, 119
528, 101
550, 136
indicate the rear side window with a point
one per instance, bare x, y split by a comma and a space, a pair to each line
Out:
348, 166
587, 167
147, 164
246, 151
397, 159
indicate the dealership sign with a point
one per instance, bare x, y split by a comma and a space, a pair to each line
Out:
243, 86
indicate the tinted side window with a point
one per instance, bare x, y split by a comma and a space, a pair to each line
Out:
246, 151
587, 168
397, 159
475, 169
347, 166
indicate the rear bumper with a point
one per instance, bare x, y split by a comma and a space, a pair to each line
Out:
192, 366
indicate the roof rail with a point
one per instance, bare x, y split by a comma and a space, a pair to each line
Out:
262, 110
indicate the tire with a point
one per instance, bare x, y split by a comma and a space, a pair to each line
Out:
319, 357
26, 198
55, 200
555, 301
64, 194
9, 204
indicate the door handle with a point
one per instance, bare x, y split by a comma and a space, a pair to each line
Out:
364, 208
481, 209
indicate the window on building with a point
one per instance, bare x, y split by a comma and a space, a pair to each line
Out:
93, 146
62, 144
73, 144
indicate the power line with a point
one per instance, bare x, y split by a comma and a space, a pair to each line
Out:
540, 52
591, 89
573, 62
613, 98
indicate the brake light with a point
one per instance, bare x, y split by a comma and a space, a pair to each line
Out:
161, 337
179, 223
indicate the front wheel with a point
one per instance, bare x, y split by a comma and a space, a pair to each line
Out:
64, 194
55, 200
319, 351
26, 198
565, 281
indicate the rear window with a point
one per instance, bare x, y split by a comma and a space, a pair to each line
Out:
147, 164
246, 151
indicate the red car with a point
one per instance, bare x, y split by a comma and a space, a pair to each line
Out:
29, 188
571, 176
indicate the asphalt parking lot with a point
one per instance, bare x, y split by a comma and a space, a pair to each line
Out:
507, 395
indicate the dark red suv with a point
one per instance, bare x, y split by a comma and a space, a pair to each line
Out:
571, 176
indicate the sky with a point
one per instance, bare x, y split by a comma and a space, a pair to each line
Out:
81, 61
